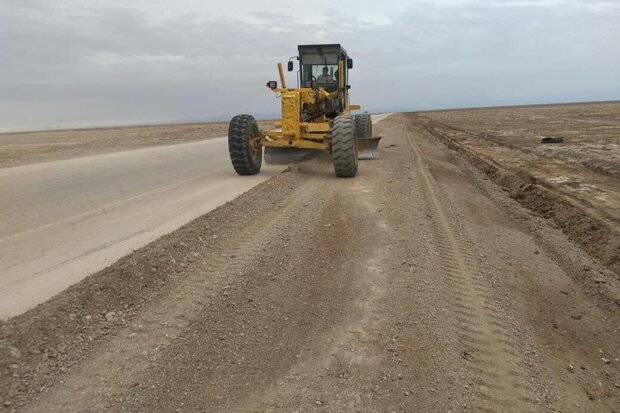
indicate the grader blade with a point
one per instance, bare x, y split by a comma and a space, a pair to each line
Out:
285, 156
367, 148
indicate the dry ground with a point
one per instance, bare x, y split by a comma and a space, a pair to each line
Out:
575, 183
31, 147
591, 131
419, 285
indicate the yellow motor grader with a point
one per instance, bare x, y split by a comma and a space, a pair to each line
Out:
316, 115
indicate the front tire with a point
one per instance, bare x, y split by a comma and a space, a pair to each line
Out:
344, 147
246, 152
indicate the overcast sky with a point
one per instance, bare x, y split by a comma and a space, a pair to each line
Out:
79, 62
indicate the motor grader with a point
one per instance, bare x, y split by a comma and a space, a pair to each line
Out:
316, 115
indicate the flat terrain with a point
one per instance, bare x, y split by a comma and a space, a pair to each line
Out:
31, 147
591, 131
575, 183
419, 285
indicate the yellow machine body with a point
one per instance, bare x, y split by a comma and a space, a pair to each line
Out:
291, 131
315, 115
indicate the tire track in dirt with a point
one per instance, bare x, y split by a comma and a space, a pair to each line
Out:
122, 361
346, 347
479, 323
580, 216
283, 300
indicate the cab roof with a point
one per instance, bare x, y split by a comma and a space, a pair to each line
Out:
316, 46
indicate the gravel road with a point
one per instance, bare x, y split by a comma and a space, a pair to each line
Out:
416, 286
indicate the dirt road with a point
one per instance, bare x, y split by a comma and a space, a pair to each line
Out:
416, 286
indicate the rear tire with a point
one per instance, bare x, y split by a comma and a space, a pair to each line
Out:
246, 152
363, 126
344, 147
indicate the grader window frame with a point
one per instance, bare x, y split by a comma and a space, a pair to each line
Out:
313, 73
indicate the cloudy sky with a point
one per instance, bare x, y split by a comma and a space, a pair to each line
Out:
67, 63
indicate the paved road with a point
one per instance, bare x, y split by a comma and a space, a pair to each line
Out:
64, 220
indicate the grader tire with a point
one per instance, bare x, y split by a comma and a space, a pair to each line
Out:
363, 126
244, 147
344, 147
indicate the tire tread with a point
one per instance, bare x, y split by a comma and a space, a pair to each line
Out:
240, 129
344, 147
363, 126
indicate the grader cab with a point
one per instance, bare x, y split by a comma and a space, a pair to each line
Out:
316, 115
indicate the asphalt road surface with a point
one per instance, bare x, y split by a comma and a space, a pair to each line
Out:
64, 220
